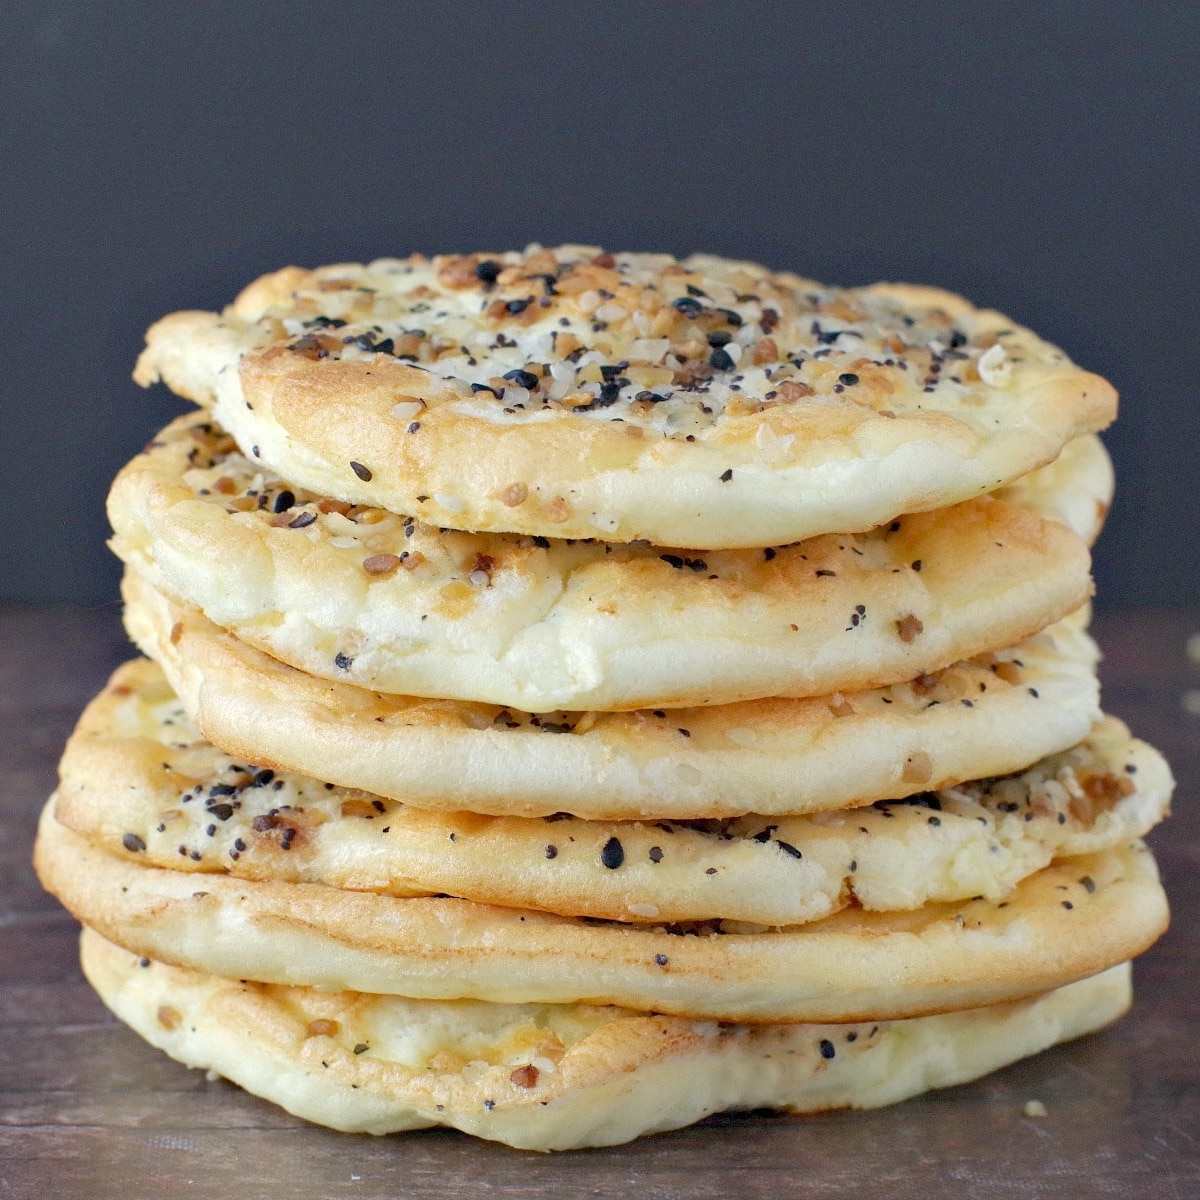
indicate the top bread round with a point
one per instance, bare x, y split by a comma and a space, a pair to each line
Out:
572, 393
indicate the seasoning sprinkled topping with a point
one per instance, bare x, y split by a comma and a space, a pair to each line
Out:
525, 379
364, 473
487, 271
133, 843
613, 854
381, 564
524, 1077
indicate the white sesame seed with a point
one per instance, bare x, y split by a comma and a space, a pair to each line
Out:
649, 350
742, 737
407, 409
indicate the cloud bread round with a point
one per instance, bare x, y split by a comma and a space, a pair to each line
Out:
559, 1077
767, 756
1061, 924
572, 393
1076, 488
136, 779
388, 603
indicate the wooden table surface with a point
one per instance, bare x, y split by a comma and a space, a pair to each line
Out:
89, 1111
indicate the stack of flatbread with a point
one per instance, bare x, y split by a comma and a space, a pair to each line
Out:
588, 691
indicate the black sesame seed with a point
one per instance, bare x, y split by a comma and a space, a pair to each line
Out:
283, 501
133, 843
826, 1048
487, 271
613, 854
769, 553
788, 848
719, 360
661, 960
221, 811
719, 338
1089, 884
656, 854
303, 521
342, 661
361, 1048
551, 851
727, 475
525, 379
516, 307
848, 378
483, 387
262, 778
673, 560
362, 472
688, 305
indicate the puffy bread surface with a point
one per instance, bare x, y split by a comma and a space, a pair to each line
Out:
571, 393
1076, 488
768, 756
137, 780
1061, 924
559, 1077
383, 601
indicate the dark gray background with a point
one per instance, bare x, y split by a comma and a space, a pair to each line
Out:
1041, 158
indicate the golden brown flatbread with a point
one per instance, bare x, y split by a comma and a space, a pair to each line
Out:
573, 393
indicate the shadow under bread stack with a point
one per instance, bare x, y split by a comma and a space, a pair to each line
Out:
589, 691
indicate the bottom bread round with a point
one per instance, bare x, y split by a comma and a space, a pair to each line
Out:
560, 1076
